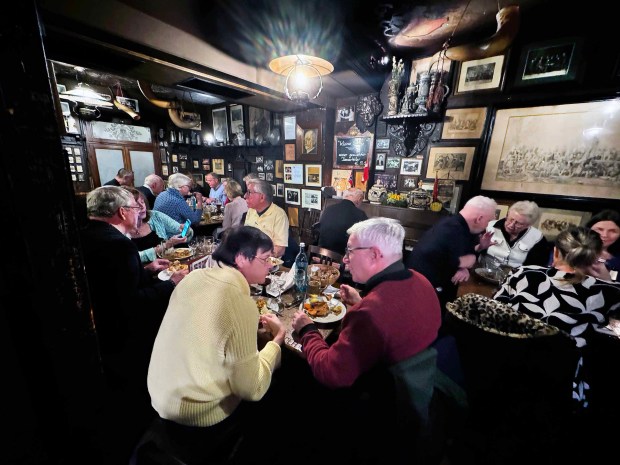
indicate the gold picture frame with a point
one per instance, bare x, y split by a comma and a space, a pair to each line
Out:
450, 162
218, 166
464, 123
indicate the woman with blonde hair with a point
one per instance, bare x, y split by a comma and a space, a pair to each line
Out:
236, 206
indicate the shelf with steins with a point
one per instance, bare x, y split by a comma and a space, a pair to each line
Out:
416, 118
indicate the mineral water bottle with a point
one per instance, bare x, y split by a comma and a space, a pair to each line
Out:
301, 264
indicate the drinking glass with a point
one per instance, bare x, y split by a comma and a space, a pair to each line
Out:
278, 280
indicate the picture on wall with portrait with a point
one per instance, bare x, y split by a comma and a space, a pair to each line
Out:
292, 196
380, 161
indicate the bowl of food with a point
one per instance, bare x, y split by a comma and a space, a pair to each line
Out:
322, 276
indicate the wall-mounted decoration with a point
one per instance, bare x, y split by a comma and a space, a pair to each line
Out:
293, 173
260, 124
218, 166
289, 127
292, 196
392, 162
407, 183
368, 107
78, 159
80, 177
279, 169
553, 221
464, 123
71, 160
268, 176
453, 207
389, 181
268, 164
556, 150
352, 151
501, 211
220, 125
261, 176
77, 151
183, 164
550, 61
236, 120
273, 189
229, 167
380, 161
195, 164
175, 169
289, 152
311, 199
410, 166
260, 168
383, 144
258, 159
314, 175
164, 170
340, 178
360, 182
308, 141
73, 177
345, 113
450, 162
175, 158
198, 178
486, 74
279, 189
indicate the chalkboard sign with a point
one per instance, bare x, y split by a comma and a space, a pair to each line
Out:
352, 151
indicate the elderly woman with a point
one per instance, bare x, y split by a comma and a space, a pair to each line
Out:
607, 224
206, 366
172, 200
515, 241
236, 206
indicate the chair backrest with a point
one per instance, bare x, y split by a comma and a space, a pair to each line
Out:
318, 254
307, 233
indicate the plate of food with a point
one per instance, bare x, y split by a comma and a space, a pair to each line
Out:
265, 304
176, 265
178, 254
322, 310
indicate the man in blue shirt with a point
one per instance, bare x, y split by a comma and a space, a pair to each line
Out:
217, 189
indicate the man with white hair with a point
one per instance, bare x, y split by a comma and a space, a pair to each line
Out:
447, 251
338, 218
153, 185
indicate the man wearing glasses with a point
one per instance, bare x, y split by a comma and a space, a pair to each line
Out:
397, 318
266, 215
128, 306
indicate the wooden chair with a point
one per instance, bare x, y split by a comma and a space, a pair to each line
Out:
318, 254
308, 233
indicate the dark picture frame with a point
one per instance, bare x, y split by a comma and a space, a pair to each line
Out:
554, 60
484, 75
407, 183
309, 141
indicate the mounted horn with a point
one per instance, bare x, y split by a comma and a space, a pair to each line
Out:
508, 19
180, 118
135, 116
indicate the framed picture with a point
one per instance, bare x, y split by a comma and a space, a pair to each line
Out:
389, 181
383, 144
72, 160
314, 175
175, 158
279, 167
289, 152
260, 124
73, 177
80, 177
380, 161
352, 152
392, 162
549, 61
553, 221
340, 179
261, 176
273, 189
164, 170
407, 183
260, 168
175, 169
292, 196
410, 166
453, 206
501, 211
198, 178
183, 164
308, 141
269, 177
450, 162
345, 113
268, 164
218, 166
360, 182
236, 119
311, 199
486, 74
77, 151
195, 164
293, 173
289, 128
556, 150
464, 123
279, 189
220, 125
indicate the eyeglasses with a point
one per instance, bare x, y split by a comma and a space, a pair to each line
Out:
516, 223
264, 260
129, 206
348, 250
250, 193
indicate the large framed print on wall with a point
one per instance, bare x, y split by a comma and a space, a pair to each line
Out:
486, 74
450, 162
557, 150
464, 123
550, 61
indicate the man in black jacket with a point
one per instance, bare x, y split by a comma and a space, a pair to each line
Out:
338, 218
153, 185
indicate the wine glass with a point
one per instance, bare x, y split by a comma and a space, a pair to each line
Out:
278, 280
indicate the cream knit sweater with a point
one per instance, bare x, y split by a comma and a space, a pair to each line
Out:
205, 358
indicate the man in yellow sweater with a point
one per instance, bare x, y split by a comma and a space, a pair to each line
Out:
205, 359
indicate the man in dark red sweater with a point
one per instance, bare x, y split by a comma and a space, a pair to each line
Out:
398, 317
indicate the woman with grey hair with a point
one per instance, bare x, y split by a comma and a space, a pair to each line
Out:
236, 206
515, 241
172, 200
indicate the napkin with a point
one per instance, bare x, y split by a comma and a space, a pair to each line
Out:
288, 283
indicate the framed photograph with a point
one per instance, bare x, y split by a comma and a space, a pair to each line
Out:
236, 119
453, 206
501, 211
549, 61
314, 175
360, 183
389, 181
289, 128
218, 166
293, 173
175, 169
259, 159
80, 177
289, 152
260, 168
164, 170
260, 124
279, 169
77, 151
269, 177
175, 158
261, 176
273, 189
392, 162
553, 221
311, 199
183, 164
464, 123
199, 179
308, 141
220, 125
292, 196
195, 164
445, 190
279, 189
486, 74
268, 164
380, 161
410, 166
407, 183
345, 113
340, 179
206, 167
71, 160
450, 162
383, 144
72, 168
556, 150
73, 177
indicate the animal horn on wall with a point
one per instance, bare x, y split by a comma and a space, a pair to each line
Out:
180, 118
135, 116
507, 27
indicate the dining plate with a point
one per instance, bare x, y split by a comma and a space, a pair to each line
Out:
487, 274
164, 275
179, 254
331, 316
269, 304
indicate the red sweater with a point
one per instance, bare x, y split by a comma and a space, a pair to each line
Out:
397, 319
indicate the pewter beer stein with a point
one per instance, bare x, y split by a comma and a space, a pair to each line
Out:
423, 88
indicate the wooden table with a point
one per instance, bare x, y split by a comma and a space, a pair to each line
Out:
477, 285
207, 227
